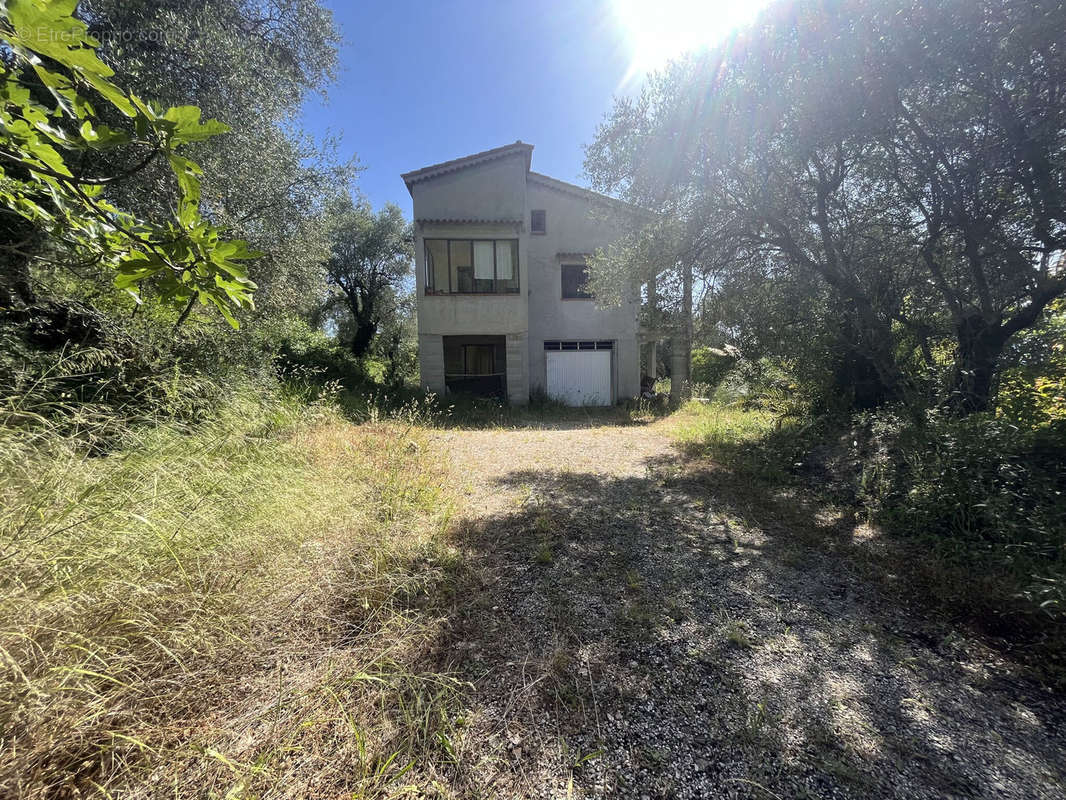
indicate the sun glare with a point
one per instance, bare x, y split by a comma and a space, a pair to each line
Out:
659, 30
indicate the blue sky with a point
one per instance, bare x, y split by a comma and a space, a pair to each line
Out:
424, 82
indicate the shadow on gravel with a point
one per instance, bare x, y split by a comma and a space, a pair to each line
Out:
667, 636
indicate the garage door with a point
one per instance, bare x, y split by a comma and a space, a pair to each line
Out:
579, 377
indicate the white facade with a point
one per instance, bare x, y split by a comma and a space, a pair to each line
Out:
486, 331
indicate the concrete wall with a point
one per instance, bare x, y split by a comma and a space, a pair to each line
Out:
493, 190
462, 314
431, 362
517, 368
575, 225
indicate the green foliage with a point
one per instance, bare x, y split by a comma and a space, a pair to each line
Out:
146, 588
982, 493
648, 251
980, 499
710, 365
764, 384
308, 357
370, 260
252, 66
755, 442
1032, 389
95, 390
851, 180
49, 95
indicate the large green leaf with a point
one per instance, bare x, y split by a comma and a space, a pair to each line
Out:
184, 257
187, 126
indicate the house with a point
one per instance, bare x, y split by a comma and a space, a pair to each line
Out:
503, 306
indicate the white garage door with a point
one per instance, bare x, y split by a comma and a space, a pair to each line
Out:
580, 377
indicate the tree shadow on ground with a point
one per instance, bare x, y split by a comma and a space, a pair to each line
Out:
669, 635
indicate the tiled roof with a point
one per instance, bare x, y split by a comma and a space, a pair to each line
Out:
458, 221
444, 167
518, 148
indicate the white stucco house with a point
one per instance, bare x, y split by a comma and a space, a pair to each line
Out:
500, 275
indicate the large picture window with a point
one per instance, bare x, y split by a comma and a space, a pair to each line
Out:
471, 266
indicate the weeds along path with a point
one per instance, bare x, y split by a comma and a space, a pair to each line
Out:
634, 624
239, 610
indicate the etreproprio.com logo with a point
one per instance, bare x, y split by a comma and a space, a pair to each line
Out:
103, 35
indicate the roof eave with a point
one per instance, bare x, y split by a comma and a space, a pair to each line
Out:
580, 191
456, 164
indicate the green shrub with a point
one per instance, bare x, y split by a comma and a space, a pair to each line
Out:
753, 442
98, 390
764, 384
1032, 389
1033, 397
981, 499
307, 356
982, 492
710, 366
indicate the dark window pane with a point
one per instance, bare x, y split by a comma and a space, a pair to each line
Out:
478, 266
484, 270
575, 282
480, 359
462, 261
436, 265
454, 360
538, 222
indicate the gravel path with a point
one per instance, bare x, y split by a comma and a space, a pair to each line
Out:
633, 627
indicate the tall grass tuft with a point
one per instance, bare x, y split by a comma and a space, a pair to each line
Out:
227, 608
735, 437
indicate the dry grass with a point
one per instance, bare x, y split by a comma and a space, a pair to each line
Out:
245, 610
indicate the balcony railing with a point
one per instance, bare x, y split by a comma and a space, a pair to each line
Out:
492, 384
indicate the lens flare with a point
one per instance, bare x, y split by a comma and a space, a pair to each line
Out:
657, 31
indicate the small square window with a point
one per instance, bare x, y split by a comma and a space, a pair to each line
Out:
575, 282
538, 222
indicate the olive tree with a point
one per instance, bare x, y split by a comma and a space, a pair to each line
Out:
370, 258
906, 159
251, 65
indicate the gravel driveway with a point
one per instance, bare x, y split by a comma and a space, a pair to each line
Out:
633, 628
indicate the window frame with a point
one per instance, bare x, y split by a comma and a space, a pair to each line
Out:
543, 218
430, 287
584, 294
570, 345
